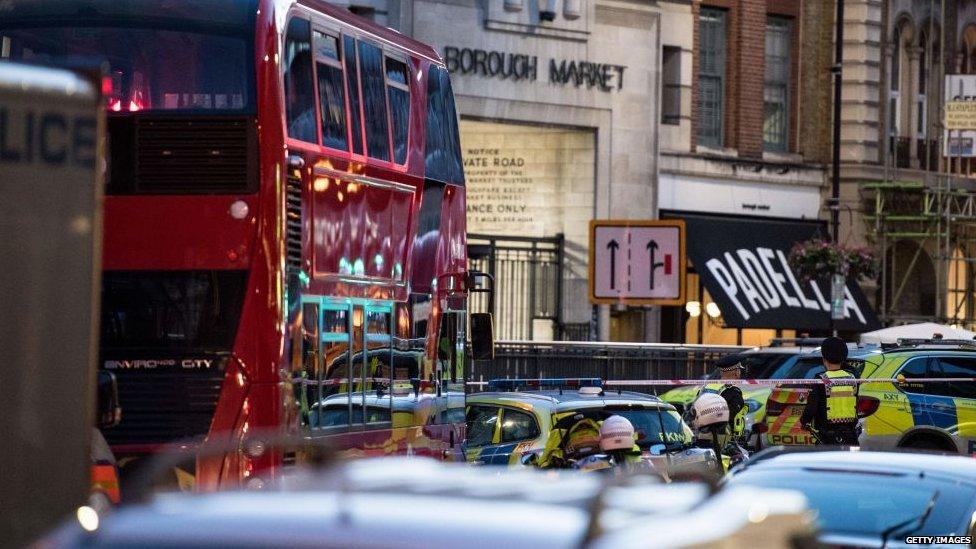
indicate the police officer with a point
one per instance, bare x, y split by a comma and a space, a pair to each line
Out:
730, 369
617, 440
832, 407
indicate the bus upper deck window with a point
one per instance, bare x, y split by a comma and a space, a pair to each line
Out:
374, 101
299, 87
352, 82
398, 90
332, 98
443, 145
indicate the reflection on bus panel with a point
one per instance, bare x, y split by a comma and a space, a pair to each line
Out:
284, 190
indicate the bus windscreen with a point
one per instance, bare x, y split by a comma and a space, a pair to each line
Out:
150, 69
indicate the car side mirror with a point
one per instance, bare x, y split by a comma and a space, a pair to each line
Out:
530, 458
482, 336
482, 324
109, 412
657, 449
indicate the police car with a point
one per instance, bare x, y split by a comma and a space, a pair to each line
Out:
511, 422
760, 363
938, 416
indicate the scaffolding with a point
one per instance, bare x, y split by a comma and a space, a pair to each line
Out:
926, 236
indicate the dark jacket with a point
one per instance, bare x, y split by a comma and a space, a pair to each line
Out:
733, 397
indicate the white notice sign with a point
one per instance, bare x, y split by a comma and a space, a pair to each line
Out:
637, 262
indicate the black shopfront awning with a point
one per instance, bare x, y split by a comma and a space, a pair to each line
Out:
743, 264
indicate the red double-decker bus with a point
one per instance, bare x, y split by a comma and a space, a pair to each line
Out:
284, 230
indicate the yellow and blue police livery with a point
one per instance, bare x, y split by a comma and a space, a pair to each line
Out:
931, 415
514, 417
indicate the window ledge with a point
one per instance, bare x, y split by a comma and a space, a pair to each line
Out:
783, 157
714, 151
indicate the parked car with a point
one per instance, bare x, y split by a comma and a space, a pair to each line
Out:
871, 499
513, 420
412, 502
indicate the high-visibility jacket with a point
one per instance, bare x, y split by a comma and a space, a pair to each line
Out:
738, 421
841, 397
106, 480
561, 443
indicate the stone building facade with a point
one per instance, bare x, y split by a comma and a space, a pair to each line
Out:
559, 103
909, 180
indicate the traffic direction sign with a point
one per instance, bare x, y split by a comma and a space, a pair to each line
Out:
637, 262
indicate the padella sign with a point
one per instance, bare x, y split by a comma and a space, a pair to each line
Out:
743, 265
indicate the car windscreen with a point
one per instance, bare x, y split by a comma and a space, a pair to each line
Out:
761, 365
174, 311
805, 368
811, 367
654, 426
150, 68
867, 503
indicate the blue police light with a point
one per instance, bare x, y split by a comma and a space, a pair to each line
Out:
544, 383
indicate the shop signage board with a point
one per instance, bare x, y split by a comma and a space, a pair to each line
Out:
637, 262
578, 73
744, 265
960, 115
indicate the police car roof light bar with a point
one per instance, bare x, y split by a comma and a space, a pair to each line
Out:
542, 383
915, 342
796, 342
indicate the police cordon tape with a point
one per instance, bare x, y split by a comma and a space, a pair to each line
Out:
572, 382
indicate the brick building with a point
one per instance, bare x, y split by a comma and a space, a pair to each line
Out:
745, 146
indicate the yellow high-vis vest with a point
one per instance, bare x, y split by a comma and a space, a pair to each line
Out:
841, 398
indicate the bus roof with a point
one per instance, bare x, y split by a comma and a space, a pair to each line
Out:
345, 16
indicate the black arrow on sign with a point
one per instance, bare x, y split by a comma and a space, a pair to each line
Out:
612, 246
652, 249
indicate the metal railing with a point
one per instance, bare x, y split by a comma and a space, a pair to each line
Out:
528, 274
608, 361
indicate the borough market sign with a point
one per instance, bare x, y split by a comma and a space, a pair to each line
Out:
518, 67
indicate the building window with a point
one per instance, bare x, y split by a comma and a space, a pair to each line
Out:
923, 76
711, 76
895, 83
671, 88
776, 91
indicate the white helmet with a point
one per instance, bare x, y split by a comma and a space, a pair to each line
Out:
616, 433
709, 409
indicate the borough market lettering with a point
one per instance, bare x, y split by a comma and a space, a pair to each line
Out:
518, 67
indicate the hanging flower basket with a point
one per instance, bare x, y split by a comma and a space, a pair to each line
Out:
818, 258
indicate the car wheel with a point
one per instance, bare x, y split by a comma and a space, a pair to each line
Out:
930, 443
